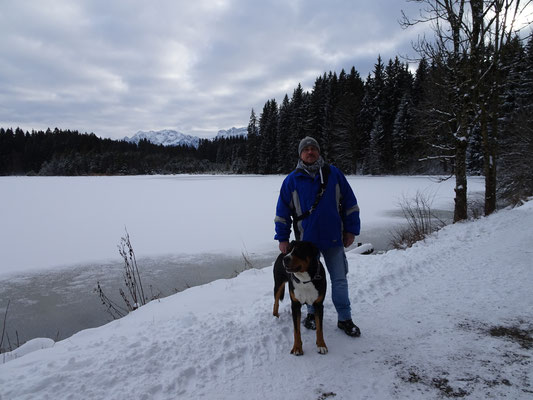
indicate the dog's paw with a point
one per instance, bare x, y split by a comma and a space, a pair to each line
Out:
322, 350
297, 351
275, 314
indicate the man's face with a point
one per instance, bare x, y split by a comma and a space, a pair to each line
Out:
309, 154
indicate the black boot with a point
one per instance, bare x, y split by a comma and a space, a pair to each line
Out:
309, 322
349, 328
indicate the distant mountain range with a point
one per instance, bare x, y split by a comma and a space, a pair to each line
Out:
165, 137
233, 132
168, 137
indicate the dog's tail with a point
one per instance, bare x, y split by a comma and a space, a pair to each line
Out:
282, 293
279, 290
279, 278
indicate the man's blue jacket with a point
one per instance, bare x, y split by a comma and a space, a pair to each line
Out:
336, 212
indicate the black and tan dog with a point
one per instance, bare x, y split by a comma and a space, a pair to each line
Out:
307, 285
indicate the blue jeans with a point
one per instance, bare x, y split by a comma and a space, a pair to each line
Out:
337, 266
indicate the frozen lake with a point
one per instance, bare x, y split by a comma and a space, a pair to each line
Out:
59, 236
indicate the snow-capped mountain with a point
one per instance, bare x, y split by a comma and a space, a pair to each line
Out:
165, 137
168, 137
232, 133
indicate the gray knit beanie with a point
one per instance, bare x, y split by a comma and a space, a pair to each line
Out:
307, 141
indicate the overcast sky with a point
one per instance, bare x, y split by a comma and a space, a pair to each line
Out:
114, 67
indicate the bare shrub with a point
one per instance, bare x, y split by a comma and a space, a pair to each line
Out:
248, 264
112, 307
134, 296
476, 208
421, 221
132, 278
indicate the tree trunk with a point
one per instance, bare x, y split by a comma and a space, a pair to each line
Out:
490, 186
489, 164
460, 211
491, 141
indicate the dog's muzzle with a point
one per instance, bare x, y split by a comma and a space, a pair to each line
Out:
287, 263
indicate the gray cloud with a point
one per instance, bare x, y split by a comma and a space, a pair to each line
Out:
113, 68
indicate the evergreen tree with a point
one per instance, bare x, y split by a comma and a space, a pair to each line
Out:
515, 168
422, 91
268, 126
252, 145
437, 151
352, 101
344, 136
298, 117
284, 151
365, 123
380, 137
420, 82
316, 121
377, 133
398, 84
371, 117
405, 143
328, 104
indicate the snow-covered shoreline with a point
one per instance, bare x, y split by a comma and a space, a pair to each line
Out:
426, 314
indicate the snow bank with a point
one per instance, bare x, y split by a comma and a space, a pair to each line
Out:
29, 347
437, 320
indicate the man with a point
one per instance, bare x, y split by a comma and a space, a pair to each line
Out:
322, 207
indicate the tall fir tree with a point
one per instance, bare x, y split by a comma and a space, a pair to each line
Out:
344, 135
299, 113
405, 144
516, 144
252, 145
268, 126
365, 123
285, 162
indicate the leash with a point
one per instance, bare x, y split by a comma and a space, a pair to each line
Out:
323, 184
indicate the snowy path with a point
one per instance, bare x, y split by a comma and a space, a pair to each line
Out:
426, 315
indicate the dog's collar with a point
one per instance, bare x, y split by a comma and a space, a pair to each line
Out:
295, 279
315, 278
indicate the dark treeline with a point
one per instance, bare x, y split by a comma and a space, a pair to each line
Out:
388, 123
363, 127
60, 152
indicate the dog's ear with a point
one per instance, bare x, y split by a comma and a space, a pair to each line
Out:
313, 252
316, 252
316, 257
312, 249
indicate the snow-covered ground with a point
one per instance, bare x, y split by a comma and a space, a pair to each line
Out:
450, 317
